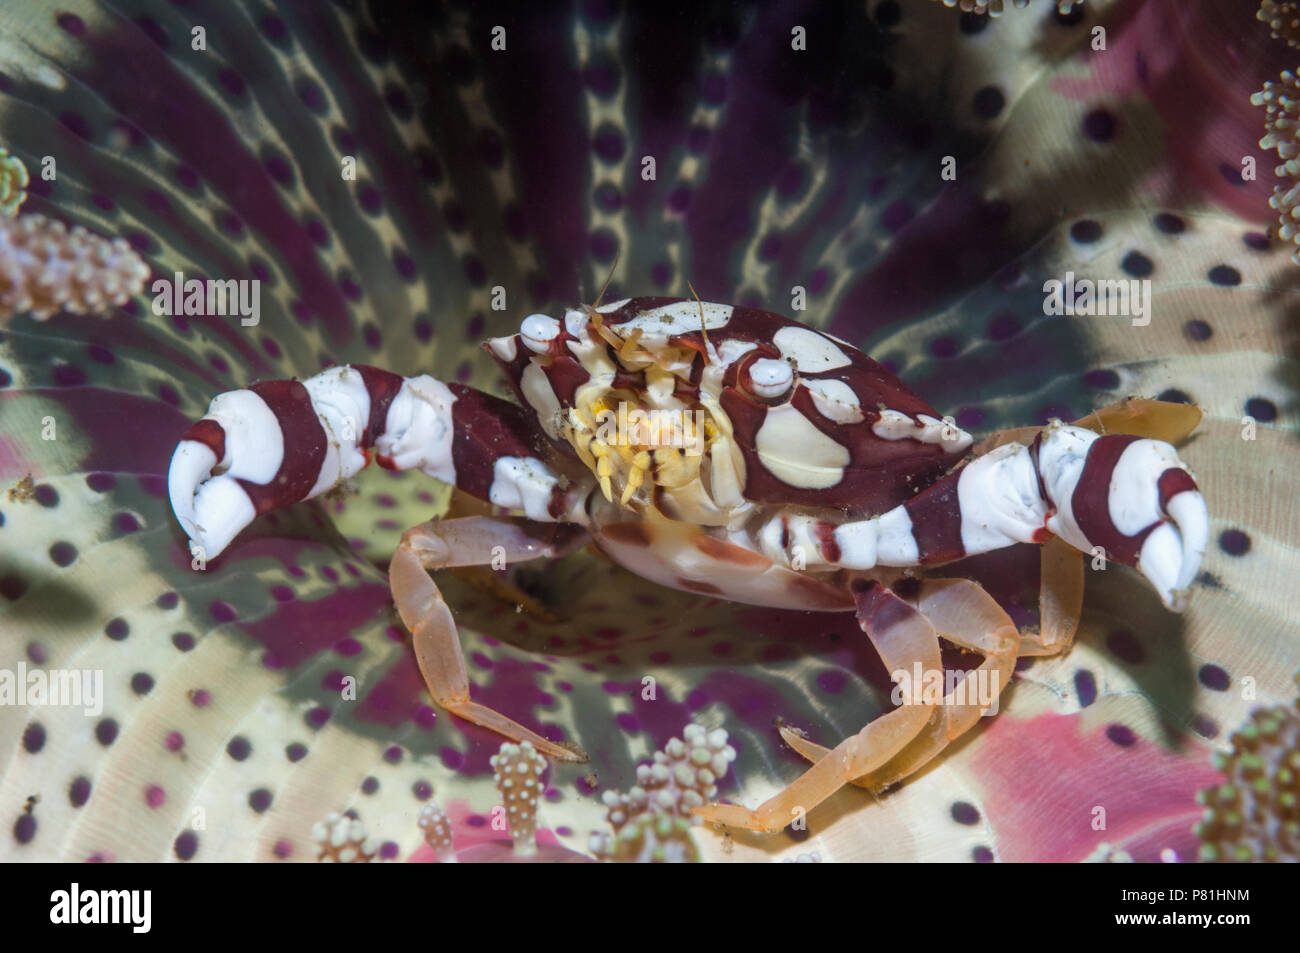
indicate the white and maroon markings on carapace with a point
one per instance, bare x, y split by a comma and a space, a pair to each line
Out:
684, 557
280, 442
844, 432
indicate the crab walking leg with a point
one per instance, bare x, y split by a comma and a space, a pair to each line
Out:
469, 541
276, 443
963, 613
1129, 497
904, 640
1060, 600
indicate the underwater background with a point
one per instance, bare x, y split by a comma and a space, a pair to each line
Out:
223, 734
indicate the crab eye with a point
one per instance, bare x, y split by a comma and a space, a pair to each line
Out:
770, 378
538, 331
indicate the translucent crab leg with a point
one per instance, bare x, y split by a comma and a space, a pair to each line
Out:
964, 614
276, 443
905, 640
1060, 600
469, 541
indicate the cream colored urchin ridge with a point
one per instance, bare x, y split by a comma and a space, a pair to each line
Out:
994, 8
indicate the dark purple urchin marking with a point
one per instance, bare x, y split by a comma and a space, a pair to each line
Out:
117, 629
259, 800
1086, 687
239, 748
1224, 275
1197, 330
1174, 396
1234, 542
142, 683
988, 102
1214, 678
1100, 125
79, 791
106, 731
34, 738
1137, 265
1169, 224
183, 641
25, 828
186, 845
1265, 411
965, 813
1121, 735
1256, 241
63, 554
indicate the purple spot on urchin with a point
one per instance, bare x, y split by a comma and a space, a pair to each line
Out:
1214, 678
187, 845
1086, 687
425, 717
295, 752
259, 800
944, 346
371, 201
982, 855
661, 273
184, 641
969, 418
601, 80
832, 681
25, 828
347, 647
475, 271
318, 716
404, 265
106, 731
71, 24
1205, 726
679, 199
608, 145
142, 683
1003, 327
239, 748
310, 94
200, 698
219, 364
627, 722
1256, 241
79, 791
422, 790
452, 759
371, 337
36, 653
896, 214
697, 138
603, 244
1121, 735
1196, 330
1102, 378
34, 738
965, 813
68, 375
222, 611
174, 741
117, 629
154, 796
168, 600
1234, 542
271, 348
1100, 125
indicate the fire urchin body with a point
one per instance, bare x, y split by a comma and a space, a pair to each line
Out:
731, 451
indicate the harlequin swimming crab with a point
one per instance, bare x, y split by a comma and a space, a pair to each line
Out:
784, 468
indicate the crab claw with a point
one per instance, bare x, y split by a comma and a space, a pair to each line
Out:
1130, 497
239, 440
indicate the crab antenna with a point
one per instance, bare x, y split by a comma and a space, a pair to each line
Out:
704, 330
608, 278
